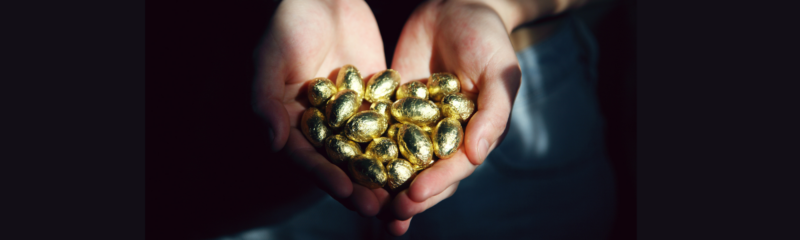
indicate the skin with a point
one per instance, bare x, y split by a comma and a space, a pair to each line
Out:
467, 38
471, 40
323, 36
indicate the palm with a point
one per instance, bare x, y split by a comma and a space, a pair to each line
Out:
309, 39
472, 42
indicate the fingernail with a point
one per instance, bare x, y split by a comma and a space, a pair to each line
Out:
483, 146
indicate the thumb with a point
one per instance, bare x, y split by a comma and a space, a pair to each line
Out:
268, 94
497, 91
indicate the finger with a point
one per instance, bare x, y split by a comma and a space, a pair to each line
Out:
413, 52
405, 208
364, 201
398, 227
441, 175
498, 90
327, 176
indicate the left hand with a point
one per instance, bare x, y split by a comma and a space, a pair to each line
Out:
471, 41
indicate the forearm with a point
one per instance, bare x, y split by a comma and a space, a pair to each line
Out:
517, 12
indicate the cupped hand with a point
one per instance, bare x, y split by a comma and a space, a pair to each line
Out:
308, 39
470, 40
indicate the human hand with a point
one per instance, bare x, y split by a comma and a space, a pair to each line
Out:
470, 40
308, 39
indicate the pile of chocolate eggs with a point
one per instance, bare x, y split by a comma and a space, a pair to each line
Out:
405, 127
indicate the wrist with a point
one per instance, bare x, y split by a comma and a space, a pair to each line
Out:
514, 13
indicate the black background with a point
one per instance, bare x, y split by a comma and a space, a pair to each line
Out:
716, 120
208, 170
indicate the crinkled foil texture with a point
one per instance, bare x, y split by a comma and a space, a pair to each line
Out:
367, 171
416, 111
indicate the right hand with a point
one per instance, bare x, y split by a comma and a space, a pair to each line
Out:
308, 39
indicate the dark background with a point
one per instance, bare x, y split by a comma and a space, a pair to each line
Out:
208, 171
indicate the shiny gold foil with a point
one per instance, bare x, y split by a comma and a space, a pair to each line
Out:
320, 90
400, 173
312, 124
365, 126
392, 131
383, 106
415, 145
382, 148
415, 111
428, 130
382, 85
340, 149
367, 171
457, 106
350, 78
441, 84
341, 108
412, 89
447, 137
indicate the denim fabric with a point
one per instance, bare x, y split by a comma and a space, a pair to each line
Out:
549, 178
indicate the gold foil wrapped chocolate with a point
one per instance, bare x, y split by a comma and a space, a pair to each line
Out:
367, 171
457, 106
312, 124
412, 89
427, 129
399, 173
382, 85
392, 131
382, 148
415, 145
415, 111
383, 106
320, 90
350, 78
441, 84
341, 108
340, 149
365, 126
447, 137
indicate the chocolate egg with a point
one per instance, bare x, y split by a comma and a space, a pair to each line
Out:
447, 137
415, 111
312, 124
367, 171
399, 173
383, 106
441, 84
350, 78
340, 149
392, 131
365, 126
382, 85
382, 148
412, 89
457, 106
341, 108
415, 145
320, 90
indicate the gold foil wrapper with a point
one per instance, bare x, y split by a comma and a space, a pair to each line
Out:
392, 131
412, 89
350, 78
441, 84
383, 106
312, 124
320, 90
341, 108
382, 148
427, 129
447, 137
367, 171
415, 111
382, 85
365, 126
400, 173
340, 149
415, 145
457, 106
